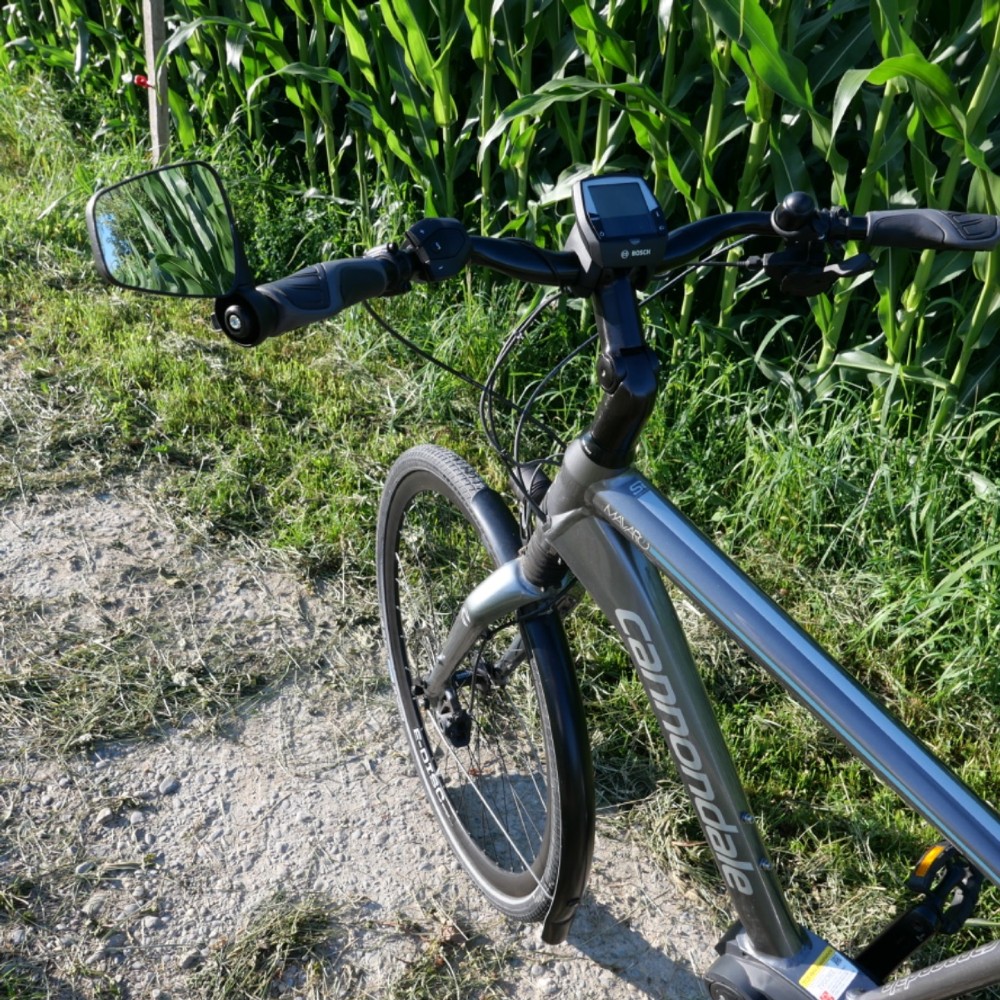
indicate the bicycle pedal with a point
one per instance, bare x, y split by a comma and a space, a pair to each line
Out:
948, 881
949, 886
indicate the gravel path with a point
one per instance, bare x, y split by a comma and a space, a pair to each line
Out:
148, 857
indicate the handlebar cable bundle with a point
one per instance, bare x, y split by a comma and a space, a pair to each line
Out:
512, 460
487, 409
528, 406
691, 268
488, 395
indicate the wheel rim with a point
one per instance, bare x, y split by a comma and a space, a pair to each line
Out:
493, 792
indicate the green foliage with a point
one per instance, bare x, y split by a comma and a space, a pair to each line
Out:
22, 980
884, 546
490, 110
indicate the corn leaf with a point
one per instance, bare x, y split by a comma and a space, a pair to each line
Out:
745, 22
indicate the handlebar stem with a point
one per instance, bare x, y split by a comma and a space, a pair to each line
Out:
627, 374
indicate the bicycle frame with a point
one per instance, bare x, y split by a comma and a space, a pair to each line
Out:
650, 531
616, 533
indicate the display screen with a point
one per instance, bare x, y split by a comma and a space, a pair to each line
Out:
622, 209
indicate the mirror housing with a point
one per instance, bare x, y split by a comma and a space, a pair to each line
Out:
168, 231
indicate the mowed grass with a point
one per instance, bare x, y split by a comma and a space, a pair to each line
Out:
885, 547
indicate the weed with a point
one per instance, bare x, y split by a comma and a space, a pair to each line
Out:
453, 963
21, 979
281, 946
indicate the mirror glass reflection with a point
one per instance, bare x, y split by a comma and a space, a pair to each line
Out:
169, 232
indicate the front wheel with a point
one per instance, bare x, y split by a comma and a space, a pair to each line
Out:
503, 756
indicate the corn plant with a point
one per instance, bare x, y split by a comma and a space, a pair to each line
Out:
489, 111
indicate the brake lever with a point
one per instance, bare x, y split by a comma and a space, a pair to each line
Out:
816, 281
799, 275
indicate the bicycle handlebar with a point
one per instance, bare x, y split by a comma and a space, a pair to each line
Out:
909, 228
317, 292
320, 291
526, 261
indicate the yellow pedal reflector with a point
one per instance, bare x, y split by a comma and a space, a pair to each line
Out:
925, 863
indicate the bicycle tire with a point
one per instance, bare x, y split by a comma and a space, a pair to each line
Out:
516, 801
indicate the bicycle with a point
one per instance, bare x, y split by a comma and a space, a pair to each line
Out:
472, 598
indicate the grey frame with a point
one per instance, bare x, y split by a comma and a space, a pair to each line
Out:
617, 533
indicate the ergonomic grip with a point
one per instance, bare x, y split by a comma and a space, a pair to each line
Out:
320, 291
932, 229
317, 292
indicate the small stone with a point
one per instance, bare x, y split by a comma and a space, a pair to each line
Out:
96, 956
105, 816
169, 785
192, 959
151, 923
84, 866
65, 781
93, 906
135, 818
115, 942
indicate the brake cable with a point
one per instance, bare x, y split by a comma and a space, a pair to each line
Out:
489, 397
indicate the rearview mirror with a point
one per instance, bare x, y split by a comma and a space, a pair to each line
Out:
169, 232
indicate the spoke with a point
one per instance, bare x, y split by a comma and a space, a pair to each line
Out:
529, 772
489, 809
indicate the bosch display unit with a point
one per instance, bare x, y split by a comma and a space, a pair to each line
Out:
618, 222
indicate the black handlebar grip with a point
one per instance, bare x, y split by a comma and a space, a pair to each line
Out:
320, 291
317, 292
932, 229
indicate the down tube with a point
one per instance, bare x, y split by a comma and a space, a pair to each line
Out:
631, 593
635, 508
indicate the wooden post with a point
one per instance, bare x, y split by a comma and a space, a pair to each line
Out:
154, 29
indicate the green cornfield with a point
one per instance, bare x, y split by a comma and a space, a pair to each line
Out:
488, 111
